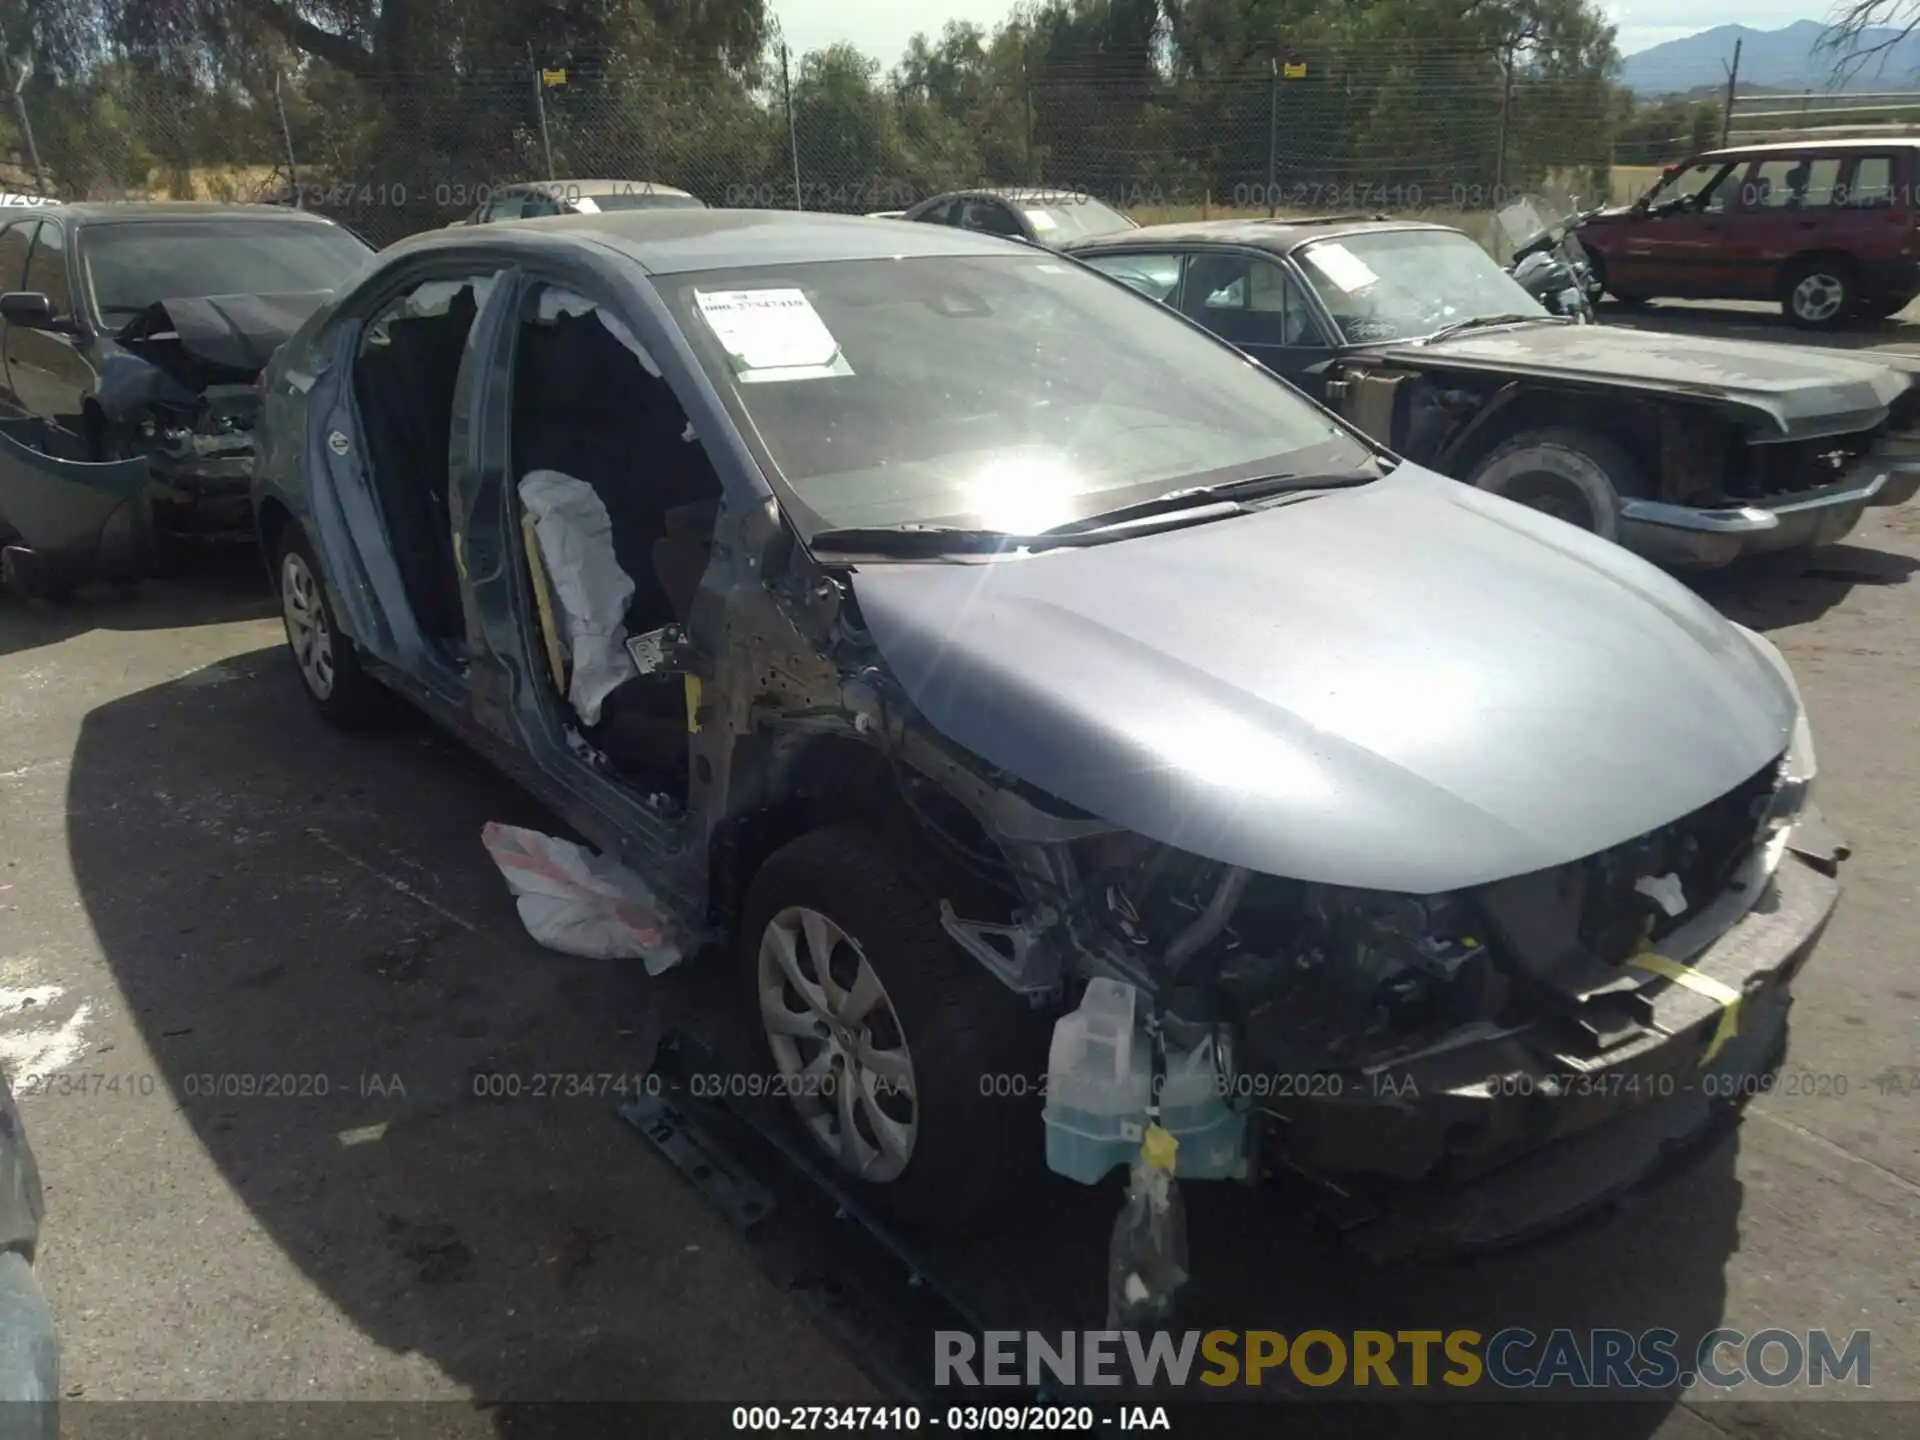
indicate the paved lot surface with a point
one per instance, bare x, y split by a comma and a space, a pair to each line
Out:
1896, 340
198, 880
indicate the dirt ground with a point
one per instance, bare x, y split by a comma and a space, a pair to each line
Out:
198, 882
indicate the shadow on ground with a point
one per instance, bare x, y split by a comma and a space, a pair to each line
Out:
1764, 597
276, 899
1897, 339
229, 587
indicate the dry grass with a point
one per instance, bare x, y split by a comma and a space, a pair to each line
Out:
228, 183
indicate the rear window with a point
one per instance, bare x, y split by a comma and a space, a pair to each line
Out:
639, 202
1072, 218
1871, 187
1802, 184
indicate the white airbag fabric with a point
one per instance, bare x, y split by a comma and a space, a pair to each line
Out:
588, 585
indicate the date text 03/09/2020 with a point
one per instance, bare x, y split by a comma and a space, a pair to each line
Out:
960, 1419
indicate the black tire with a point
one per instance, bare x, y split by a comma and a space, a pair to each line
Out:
352, 700
1574, 475
1820, 294
963, 1031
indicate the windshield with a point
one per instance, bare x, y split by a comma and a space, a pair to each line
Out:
1070, 217
1003, 392
640, 200
1402, 284
129, 266
1525, 221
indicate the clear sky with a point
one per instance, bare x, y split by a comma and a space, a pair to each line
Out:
883, 27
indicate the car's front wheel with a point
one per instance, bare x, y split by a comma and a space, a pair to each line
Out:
908, 1065
1572, 475
329, 667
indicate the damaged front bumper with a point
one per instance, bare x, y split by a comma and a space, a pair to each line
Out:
201, 486
1504, 1136
1712, 536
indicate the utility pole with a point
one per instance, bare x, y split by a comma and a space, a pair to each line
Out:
1500, 144
793, 125
286, 136
1733, 79
1273, 131
540, 104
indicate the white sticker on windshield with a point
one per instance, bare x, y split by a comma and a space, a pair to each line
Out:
1040, 219
584, 205
769, 329
1341, 266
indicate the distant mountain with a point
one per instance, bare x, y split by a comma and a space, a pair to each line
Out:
1787, 59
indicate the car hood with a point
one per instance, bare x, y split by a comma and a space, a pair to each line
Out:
1796, 392
1409, 685
234, 335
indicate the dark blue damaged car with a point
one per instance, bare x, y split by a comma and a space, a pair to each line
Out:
934, 627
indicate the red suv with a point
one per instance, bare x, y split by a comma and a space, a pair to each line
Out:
1829, 229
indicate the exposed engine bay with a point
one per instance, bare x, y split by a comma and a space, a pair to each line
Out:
1369, 1038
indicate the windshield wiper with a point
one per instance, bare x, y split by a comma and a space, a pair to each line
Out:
1194, 497
914, 538
1185, 506
1479, 322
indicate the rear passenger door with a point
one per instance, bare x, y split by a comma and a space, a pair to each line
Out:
379, 448
1257, 304
1872, 220
1785, 209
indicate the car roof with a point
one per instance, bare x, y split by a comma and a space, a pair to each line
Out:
1039, 193
1795, 147
1277, 235
668, 242
107, 212
596, 187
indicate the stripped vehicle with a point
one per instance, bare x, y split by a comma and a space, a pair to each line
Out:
133, 339
948, 674
1687, 449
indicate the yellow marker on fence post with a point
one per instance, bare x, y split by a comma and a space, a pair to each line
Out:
553, 77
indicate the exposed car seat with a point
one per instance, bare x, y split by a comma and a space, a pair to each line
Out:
404, 389
586, 406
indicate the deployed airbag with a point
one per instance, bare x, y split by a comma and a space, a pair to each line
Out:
586, 581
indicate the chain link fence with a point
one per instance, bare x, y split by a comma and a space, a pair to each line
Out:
1411, 129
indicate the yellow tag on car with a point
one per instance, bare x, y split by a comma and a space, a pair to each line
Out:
1722, 994
1159, 1148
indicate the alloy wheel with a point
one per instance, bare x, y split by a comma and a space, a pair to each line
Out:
839, 1045
1818, 297
308, 632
